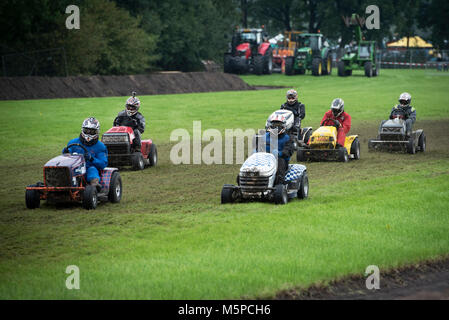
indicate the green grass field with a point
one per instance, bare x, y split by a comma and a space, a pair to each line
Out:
170, 238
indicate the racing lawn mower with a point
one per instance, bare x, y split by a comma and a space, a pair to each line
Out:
256, 181
250, 52
64, 181
122, 152
392, 136
323, 145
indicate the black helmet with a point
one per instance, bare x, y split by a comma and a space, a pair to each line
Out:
337, 107
405, 99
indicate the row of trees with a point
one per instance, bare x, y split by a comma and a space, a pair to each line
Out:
136, 36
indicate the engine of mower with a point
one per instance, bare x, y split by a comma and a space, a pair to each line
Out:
257, 174
324, 138
394, 129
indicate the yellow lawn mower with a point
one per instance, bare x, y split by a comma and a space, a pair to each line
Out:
323, 145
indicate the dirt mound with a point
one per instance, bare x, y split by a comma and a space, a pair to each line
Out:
18, 88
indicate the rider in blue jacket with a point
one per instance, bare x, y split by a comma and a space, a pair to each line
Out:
97, 156
284, 148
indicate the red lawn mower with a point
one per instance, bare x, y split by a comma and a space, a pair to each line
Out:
122, 152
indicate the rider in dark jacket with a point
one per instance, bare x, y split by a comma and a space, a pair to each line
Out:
130, 117
405, 111
297, 108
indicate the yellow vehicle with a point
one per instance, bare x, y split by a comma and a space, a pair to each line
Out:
323, 146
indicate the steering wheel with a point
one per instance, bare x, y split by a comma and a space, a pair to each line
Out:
66, 149
333, 120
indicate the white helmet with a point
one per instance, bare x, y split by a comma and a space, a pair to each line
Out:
132, 105
90, 130
337, 107
277, 124
404, 99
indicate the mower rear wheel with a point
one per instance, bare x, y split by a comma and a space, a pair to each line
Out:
137, 161
280, 194
32, 198
115, 188
368, 69
289, 66
411, 146
303, 191
355, 149
317, 67
152, 156
343, 155
227, 194
90, 199
422, 142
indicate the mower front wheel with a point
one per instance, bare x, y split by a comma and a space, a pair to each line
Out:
115, 188
343, 155
227, 194
90, 198
303, 191
411, 146
137, 161
280, 194
32, 198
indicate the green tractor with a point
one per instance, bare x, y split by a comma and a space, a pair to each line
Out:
363, 56
312, 53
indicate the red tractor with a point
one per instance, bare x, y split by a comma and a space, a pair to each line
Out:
250, 52
122, 152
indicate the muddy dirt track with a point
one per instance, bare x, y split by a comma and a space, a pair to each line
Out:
423, 281
21, 88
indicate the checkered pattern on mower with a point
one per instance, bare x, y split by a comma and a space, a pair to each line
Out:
294, 172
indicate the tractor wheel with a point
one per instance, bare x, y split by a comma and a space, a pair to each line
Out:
422, 142
258, 64
227, 64
341, 69
317, 67
348, 73
376, 71
115, 188
268, 62
301, 71
343, 155
368, 69
303, 191
289, 66
300, 155
32, 198
227, 194
137, 161
152, 156
355, 149
280, 194
327, 66
411, 146
90, 198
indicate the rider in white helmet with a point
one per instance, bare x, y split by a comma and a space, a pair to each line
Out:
405, 111
97, 154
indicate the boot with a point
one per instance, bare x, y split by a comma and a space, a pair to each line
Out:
96, 183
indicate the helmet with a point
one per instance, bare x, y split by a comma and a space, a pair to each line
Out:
404, 99
90, 131
292, 96
337, 107
132, 105
277, 124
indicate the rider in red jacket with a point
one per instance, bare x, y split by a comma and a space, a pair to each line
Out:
342, 120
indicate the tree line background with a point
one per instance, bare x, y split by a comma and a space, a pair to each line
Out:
138, 36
